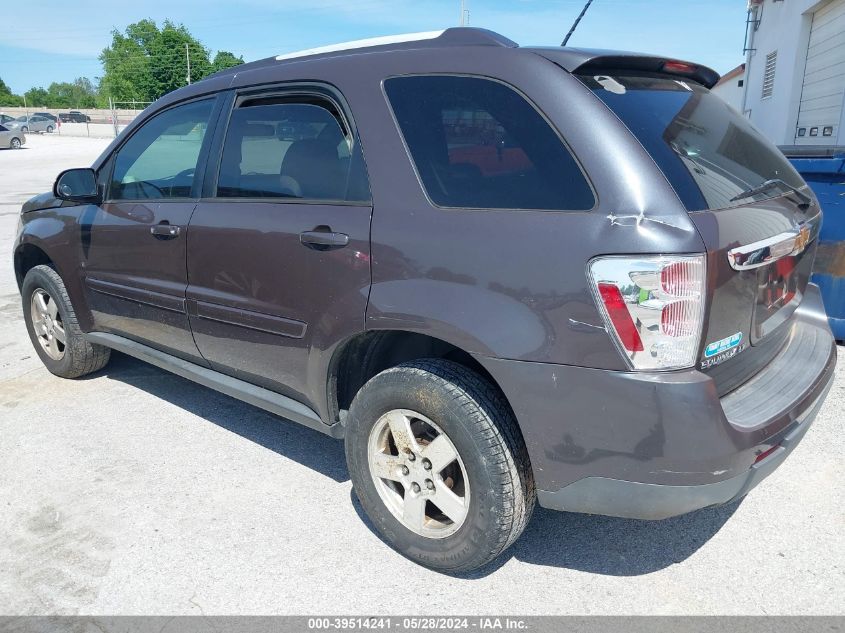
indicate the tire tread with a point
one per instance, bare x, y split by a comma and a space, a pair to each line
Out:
491, 421
85, 357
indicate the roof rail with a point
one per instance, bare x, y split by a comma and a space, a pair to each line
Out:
458, 36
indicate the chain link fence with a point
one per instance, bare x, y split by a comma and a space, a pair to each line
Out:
98, 123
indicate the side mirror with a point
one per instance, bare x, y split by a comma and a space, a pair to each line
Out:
77, 185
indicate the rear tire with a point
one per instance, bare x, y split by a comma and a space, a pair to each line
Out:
49, 129
475, 506
50, 317
15, 143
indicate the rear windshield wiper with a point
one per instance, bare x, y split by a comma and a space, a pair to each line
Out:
770, 184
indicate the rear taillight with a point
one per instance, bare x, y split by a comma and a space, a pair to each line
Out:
617, 314
653, 307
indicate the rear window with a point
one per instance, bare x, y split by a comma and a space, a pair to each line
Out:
708, 151
477, 143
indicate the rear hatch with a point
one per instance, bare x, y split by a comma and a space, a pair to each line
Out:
754, 212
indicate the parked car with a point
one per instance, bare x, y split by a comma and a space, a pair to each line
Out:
609, 312
74, 116
35, 123
11, 138
47, 115
5, 118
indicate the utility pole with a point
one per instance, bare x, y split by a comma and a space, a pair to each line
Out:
575, 24
25, 108
188, 59
113, 115
464, 14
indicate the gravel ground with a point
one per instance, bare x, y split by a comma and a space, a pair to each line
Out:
134, 491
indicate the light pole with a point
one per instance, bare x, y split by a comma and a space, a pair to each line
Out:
188, 59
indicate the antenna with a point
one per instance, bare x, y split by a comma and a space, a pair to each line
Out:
575, 24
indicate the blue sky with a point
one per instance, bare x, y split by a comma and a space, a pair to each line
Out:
67, 46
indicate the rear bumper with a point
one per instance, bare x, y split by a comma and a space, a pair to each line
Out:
634, 500
655, 445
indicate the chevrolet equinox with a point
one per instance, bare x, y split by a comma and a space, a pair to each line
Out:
504, 275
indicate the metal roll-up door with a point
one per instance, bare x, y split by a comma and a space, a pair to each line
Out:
823, 92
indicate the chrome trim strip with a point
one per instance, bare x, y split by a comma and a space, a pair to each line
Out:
764, 252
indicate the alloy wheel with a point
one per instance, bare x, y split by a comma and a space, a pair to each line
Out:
47, 324
418, 473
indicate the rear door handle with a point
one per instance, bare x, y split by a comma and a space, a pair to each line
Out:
323, 240
165, 231
770, 250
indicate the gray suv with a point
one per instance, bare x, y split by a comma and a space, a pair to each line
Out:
503, 275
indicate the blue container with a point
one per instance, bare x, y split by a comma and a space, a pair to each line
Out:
824, 170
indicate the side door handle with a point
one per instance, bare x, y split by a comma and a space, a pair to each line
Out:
165, 231
323, 240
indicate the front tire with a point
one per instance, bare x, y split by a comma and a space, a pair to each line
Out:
439, 465
49, 129
53, 328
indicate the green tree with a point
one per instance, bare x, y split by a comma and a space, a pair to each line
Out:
37, 98
86, 92
7, 98
169, 52
146, 61
80, 93
126, 63
224, 60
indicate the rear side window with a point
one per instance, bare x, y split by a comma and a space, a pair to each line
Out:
708, 151
477, 143
295, 148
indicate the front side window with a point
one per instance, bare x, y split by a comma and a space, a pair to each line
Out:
477, 143
290, 147
160, 159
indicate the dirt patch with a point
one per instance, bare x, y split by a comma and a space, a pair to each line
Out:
830, 259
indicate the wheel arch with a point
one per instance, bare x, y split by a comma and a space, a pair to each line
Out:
364, 355
28, 256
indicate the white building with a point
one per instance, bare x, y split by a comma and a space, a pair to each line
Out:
731, 87
795, 70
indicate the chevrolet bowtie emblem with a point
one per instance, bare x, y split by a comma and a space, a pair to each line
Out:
801, 240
